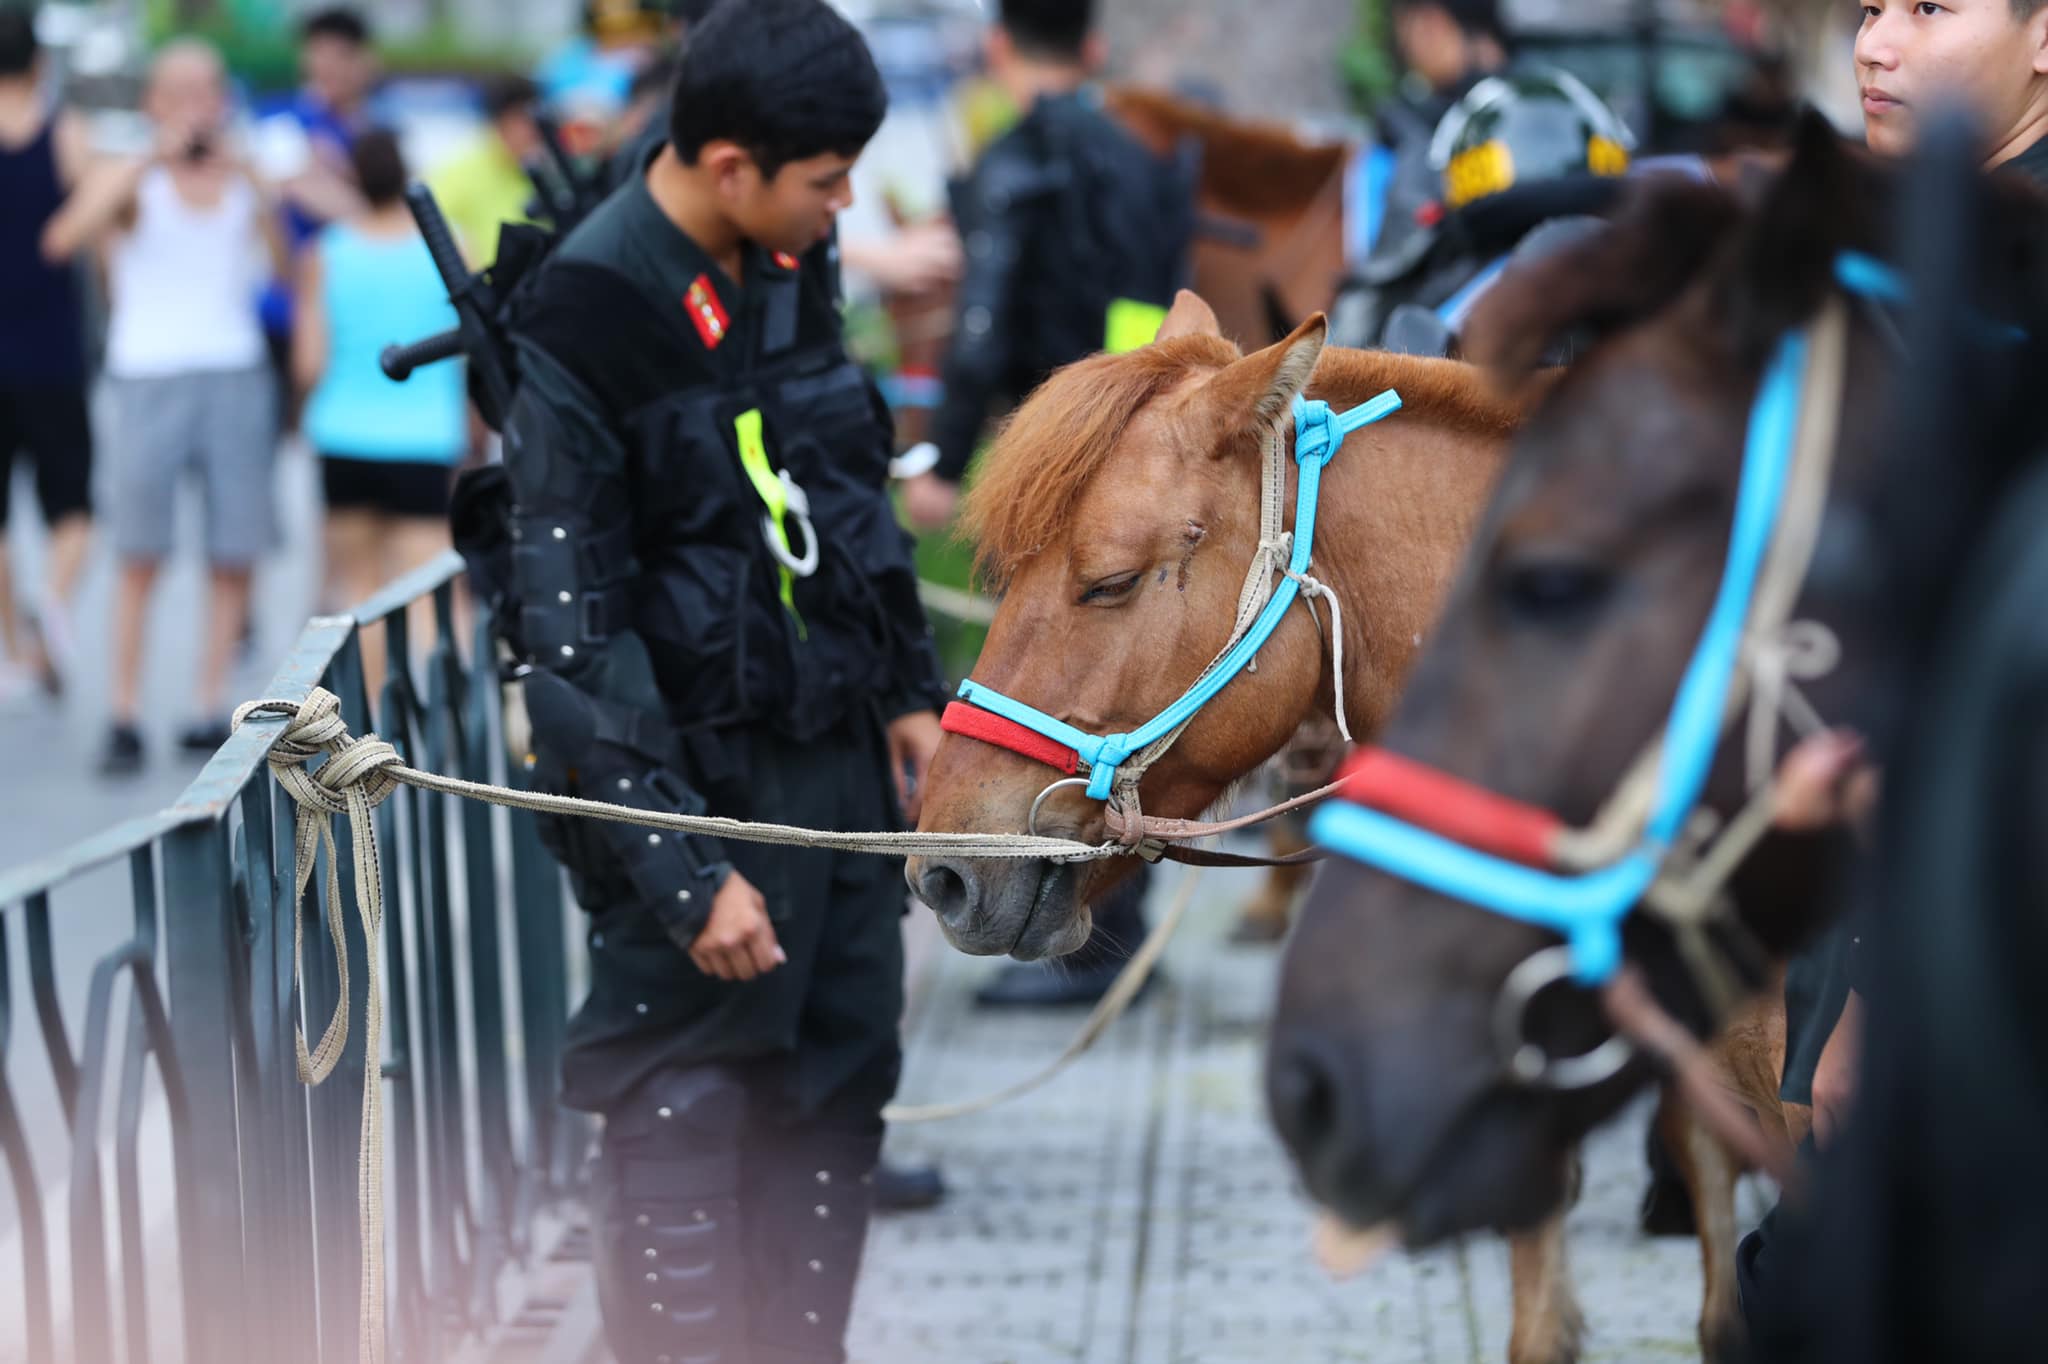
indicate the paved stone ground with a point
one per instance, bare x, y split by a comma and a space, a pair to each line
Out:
1138, 1210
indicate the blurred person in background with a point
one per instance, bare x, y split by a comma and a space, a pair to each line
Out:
491, 184
1071, 228
387, 450
1990, 57
43, 152
184, 231
305, 144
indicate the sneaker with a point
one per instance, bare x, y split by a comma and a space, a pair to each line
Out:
60, 643
204, 736
123, 757
907, 1188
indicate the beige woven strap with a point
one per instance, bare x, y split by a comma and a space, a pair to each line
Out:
353, 781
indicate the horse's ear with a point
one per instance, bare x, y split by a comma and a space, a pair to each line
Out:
1783, 262
1260, 388
1190, 317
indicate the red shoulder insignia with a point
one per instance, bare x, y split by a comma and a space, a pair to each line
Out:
707, 314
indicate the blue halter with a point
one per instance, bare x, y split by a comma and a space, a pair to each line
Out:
1318, 434
1587, 909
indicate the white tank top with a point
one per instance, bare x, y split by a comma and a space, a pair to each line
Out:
183, 284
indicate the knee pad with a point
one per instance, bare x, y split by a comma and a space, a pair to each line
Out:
670, 1222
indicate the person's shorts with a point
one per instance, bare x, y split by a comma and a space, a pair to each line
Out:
47, 425
218, 424
387, 487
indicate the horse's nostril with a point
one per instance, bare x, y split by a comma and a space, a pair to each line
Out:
1303, 1089
946, 889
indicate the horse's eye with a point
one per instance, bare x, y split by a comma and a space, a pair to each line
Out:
1552, 590
1115, 589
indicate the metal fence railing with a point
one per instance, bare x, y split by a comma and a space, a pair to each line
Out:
234, 1236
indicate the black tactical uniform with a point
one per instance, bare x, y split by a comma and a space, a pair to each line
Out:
721, 613
1075, 236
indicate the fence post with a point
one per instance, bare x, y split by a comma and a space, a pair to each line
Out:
198, 940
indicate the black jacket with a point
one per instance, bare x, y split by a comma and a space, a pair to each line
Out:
651, 605
1062, 216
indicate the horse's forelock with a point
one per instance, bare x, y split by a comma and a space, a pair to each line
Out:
1060, 438
1663, 237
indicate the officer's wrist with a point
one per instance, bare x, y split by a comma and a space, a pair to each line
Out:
688, 908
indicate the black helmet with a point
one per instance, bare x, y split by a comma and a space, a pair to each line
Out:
1528, 125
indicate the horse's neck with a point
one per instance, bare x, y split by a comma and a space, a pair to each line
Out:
1400, 501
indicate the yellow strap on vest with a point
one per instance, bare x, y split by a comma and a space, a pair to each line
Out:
754, 459
1132, 325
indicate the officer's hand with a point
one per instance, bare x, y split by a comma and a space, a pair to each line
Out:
913, 740
1827, 779
738, 941
916, 260
930, 501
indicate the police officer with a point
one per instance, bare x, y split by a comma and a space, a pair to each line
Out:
720, 614
1076, 238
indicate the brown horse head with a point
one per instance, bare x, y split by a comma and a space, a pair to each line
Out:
1556, 662
1118, 514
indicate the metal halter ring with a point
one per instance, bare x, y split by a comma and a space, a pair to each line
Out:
1031, 825
1528, 1063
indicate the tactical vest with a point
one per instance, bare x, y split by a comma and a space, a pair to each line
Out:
759, 524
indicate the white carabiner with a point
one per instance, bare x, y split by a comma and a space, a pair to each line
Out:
796, 503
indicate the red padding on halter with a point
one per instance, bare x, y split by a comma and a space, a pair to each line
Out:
1450, 808
975, 723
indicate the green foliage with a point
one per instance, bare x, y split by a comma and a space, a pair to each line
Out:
258, 40
1367, 61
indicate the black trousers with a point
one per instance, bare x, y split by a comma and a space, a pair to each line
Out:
743, 1120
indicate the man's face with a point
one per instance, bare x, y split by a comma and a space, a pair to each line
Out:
1431, 44
1910, 56
339, 73
187, 94
794, 211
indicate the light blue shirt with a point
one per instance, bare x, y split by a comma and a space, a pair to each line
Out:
379, 290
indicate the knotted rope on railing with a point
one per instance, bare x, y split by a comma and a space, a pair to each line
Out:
357, 774
355, 778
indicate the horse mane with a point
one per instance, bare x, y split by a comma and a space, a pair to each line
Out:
1061, 436
1251, 168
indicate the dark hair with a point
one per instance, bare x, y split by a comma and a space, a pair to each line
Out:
18, 45
2024, 10
1475, 18
380, 167
658, 75
785, 79
337, 22
504, 92
1054, 29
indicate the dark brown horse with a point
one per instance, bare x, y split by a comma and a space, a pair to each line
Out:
1557, 660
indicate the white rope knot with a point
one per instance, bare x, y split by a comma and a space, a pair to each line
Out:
1313, 587
1798, 651
317, 728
